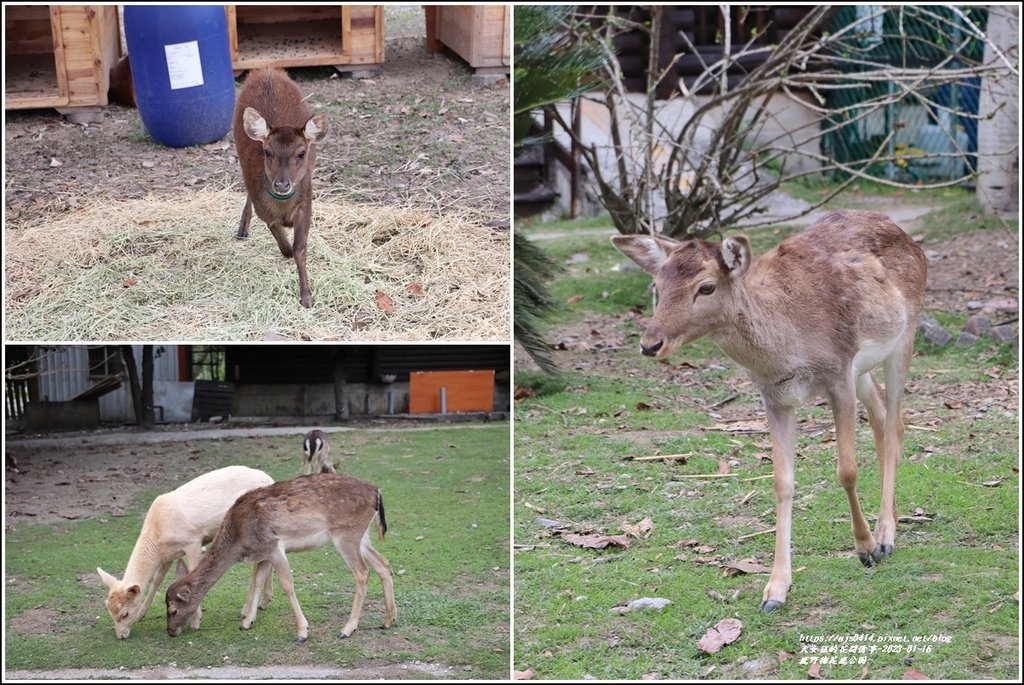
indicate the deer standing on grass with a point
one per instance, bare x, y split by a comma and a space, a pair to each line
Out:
316, 453
813, 316
178, 522
291, 516
275, 137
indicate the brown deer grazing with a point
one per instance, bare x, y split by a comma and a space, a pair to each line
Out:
813, 316
275, 138
291, 516
316, 453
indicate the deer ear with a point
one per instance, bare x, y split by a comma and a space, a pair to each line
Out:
255, 125
736, 255
134, 590
179, 570
316, 128
108, 580
648, 252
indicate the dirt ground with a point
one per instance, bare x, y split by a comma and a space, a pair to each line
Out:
417, 133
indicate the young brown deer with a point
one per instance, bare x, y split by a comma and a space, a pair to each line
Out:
275, 138
813, 316
316, 453
291, 516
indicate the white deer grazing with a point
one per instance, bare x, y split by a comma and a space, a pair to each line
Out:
813, 316
316, 453
304, 513
178, 522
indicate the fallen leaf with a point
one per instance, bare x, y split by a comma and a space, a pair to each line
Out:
129, 282
639, 530
54, 162
704, 549
814, 671
723, 466
992, 483
522, 675
574, 299
651, 676
863, 672
914, 674
523, 393
217, 147
596, 541
953, 404
734, 568
385, 303
415, 289
692, 542
725, 632
643, 406
783, 655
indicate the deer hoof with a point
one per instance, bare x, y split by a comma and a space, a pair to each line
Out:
306, 301
868, 560
299, 640
342, 636
883, 551
242, 235
770, 605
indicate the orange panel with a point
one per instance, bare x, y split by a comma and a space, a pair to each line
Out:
464, 391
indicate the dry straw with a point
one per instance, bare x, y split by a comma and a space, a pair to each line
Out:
171, 269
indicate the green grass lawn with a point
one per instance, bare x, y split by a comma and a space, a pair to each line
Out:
446, 494
952, 580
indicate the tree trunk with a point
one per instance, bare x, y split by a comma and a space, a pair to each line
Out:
128, 357
999, 180
148, 418
340, 401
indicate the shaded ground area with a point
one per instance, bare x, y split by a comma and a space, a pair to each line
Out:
404, 671
73, 477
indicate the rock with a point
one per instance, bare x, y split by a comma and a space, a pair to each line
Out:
933, 332
966, 339
655, 603
978, 325
1004, 334
974, 305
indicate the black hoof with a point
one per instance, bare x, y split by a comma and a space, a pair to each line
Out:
299, 640
342, 636
883, 551
868, 559
242, 235
770, 605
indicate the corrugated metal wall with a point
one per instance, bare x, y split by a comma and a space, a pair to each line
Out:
64, 373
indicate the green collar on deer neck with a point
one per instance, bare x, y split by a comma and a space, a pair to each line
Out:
270, 190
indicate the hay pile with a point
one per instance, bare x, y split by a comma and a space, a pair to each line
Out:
170, 269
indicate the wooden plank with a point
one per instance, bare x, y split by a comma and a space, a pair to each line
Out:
465, 391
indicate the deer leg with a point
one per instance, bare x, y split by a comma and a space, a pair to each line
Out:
896, 366
154, 584
782, 422
284, 576
243, 225
383, 569
350, 551
260, 575
301, 232
268, 591
192, 554
842, 398
870, 395
281, 236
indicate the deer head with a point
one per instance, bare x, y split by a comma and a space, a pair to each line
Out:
695, 282
284, 150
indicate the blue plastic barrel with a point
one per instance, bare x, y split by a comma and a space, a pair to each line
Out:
181, 69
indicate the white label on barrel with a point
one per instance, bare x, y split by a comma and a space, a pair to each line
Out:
183, 65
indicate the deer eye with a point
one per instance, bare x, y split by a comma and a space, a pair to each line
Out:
266, 153
706, 289
302, 155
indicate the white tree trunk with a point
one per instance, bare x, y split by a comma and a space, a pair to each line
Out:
999, 183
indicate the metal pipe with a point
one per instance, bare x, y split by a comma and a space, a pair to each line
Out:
444, 401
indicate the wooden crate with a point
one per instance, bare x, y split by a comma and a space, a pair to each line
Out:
350, 38
464, 391
59, 55
478, 34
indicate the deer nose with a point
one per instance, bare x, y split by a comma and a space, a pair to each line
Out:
282, 185
650, 351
